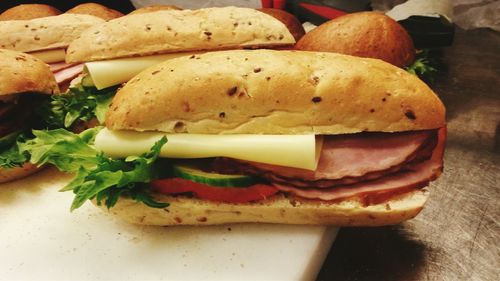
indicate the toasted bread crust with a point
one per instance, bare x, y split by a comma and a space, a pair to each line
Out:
27, 169
154, 8
291, 22
44, 33
275, 92
364, 34
28, 12
21, 73
95, 9
279, 209
175, 31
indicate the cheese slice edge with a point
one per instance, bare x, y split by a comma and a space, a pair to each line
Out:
297, 151
108, 73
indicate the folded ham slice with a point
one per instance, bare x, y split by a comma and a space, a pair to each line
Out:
418, 175
65, 72
358, 165
346, 159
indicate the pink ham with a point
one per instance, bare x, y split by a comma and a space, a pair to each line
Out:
356, 155
69, 73
58, 66
419, 175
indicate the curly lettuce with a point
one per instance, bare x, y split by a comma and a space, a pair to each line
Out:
97, 176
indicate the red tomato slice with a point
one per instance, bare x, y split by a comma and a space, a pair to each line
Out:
220, 194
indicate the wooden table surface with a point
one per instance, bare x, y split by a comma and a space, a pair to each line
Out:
457, 235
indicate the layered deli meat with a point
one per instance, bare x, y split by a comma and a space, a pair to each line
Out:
366, 165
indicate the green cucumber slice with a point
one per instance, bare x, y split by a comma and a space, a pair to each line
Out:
193, 173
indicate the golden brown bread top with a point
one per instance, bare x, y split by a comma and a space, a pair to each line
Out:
174, 31
348, 212
28, 12
275, 92
95, 9
154, 8
291, 22
21, 73
364, 34
44, 33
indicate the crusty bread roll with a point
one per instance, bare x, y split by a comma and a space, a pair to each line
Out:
28, 12
174, 31
248, 92
44, 33
21, 73
95, 9
291, 22
192, 211
154, 8
364, 34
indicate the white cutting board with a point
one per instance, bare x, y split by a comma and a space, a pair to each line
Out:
41, 240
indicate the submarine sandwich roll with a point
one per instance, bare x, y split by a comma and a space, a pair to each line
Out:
47, 37
119, 49
267, 136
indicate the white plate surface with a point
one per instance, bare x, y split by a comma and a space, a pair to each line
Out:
41, 240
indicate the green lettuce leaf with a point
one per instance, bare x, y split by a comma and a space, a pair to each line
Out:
10, 155
424, 66
80, 103
112, 178
97, 176
63, 149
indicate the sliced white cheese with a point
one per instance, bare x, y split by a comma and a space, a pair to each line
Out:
108, 73
50, 56
298, 151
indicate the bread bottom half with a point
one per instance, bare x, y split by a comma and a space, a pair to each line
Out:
27, 169
278, 209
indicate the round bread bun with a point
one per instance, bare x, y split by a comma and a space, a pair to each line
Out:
154, 8
29, 11
27, 169
291, 22
248, 92
22, 73
95, 9
278, 209
364, 34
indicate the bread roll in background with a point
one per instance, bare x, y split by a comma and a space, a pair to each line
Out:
95, 9
154, 8
291, 22
364, 34
29, 11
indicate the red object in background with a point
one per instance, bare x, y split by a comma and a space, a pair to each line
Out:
267, 3
324, 11
276, 4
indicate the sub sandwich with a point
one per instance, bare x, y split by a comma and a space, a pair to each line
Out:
262, 136
112, 55
46, 37
25, 82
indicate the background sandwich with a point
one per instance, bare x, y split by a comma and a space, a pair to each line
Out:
283, 137
113, 56
371, 35
46, 33
25, 82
